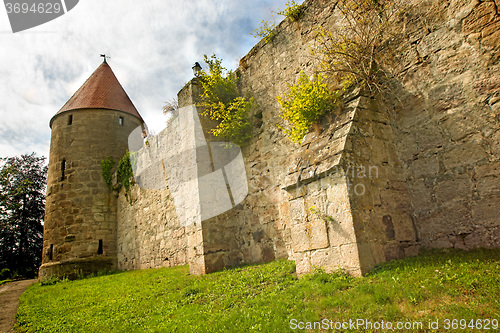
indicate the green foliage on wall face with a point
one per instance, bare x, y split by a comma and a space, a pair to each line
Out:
305, 104
223, 103
265, 31
124, 172
292, 10
107, 165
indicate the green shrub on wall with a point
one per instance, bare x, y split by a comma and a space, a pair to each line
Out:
292, 10
124, 172
107, 165
265, 31
223, 103
305, 104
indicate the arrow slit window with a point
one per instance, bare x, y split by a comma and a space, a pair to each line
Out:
63, 170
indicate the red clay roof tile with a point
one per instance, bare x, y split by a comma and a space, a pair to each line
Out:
101, 91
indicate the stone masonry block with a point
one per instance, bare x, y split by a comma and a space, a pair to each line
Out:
421, 195
328, 259
350, 259
370, 254
425, 167
486, 212
341, 229
453, 189
309, 235
488, 186
464, 154
302, 262
297, 211
403, 227
479, 18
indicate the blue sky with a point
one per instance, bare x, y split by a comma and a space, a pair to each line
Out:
152, 44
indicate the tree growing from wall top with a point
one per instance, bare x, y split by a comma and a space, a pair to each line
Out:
360, 50
223, 103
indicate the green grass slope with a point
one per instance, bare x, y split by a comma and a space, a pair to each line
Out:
433, 288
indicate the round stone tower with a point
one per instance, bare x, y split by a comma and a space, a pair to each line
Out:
80, 213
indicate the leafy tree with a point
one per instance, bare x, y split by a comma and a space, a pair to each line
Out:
22, 208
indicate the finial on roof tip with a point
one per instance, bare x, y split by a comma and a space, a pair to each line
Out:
105, 57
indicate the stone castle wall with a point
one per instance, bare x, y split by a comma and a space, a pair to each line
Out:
447, 128
383, 177
148, 233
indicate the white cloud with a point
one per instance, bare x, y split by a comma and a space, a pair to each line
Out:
152, 45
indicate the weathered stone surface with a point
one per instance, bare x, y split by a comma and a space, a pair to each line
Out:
453, 189
464, 154
369, 255
403, 228
328, 259
309, 235
297, 210
458, 126
480, 17
491, 29
485, 212
440, 39
495, 144
350, 259
393, 251
425, 167
302, 262
421, 195
447, 96
412, 251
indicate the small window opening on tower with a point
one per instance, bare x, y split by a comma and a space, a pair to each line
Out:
63, 169
70, 119
99, 249
120, 121
51, 251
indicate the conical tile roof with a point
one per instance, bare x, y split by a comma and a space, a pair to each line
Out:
101, 91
